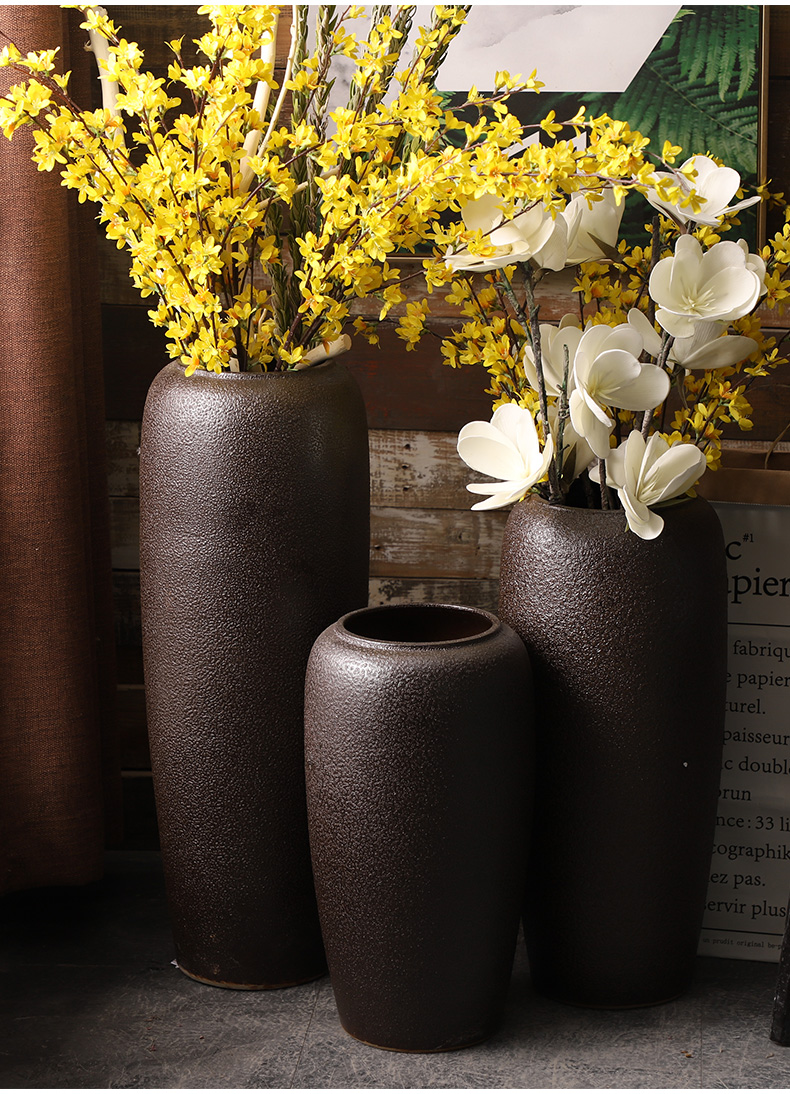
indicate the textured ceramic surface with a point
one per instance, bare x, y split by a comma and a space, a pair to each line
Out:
254, 494
628, 646
418, 728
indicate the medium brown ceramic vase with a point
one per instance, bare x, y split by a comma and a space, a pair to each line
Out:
418, 724
254, 495
627, 640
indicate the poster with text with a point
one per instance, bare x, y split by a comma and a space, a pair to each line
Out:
750, 869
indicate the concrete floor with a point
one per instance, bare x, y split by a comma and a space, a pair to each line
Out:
89, 999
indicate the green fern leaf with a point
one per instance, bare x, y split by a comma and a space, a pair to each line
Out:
720, 40
690, 47
716, 45
748, 39
725, 66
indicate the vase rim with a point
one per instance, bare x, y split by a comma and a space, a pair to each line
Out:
206, 375
435, 625
536, 499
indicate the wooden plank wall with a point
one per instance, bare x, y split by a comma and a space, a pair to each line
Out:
425, 542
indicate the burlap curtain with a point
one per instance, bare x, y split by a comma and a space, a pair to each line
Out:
58, 766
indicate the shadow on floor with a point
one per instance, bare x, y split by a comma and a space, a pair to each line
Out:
90, 999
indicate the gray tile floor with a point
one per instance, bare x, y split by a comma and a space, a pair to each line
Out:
89, 999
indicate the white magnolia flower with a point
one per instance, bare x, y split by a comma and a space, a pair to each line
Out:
593, 227
707, 348
722, 283
506, 448
651, 339
553, 343
607, 373
648, 473
715, 185
532, 234
755, 264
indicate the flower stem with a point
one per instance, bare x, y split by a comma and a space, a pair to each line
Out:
661, 361
555, 494
521, 315
606, 502
562, 414
655, 248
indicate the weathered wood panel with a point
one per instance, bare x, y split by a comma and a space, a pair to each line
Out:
474, 592
125, 533
122, 441
403, 542
407, 467
128, 632
435, 542
410, 467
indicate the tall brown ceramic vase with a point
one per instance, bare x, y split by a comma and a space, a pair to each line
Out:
627, 640
254, 537
418, 746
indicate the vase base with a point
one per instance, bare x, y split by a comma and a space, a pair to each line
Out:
250, 987
420, 1051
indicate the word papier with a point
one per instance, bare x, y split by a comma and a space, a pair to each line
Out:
750, 870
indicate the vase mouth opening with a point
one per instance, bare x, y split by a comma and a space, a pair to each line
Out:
204, 374
419, 624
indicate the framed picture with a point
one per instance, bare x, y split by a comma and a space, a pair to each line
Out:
688, 75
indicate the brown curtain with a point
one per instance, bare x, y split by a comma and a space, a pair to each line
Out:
59, 781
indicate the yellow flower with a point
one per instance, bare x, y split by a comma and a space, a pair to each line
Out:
670, 152
410, 326
549, 125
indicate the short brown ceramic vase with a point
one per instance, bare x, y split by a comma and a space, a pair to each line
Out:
418, 757
254, 496
627, 640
